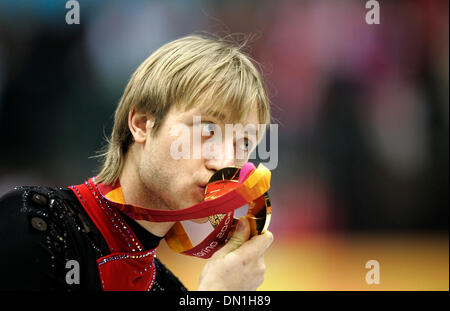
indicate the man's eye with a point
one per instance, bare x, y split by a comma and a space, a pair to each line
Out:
244, 144
208, 129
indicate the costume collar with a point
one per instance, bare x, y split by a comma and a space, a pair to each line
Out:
129, 266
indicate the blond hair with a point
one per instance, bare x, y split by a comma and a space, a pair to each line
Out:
194, 71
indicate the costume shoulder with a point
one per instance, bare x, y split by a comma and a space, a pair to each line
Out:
41, 229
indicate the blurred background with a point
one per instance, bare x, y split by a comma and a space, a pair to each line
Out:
362, 110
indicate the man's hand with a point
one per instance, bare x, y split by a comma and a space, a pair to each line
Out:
239, 264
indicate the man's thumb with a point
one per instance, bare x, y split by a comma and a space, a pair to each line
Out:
239, 237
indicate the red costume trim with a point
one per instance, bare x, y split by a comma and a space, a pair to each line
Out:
128, 267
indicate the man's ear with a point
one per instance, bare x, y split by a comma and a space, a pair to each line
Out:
140, 125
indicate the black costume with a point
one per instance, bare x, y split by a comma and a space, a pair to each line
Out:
41, 229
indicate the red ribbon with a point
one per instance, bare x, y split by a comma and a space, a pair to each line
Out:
221, 205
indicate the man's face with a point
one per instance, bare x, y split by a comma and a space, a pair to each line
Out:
174, 182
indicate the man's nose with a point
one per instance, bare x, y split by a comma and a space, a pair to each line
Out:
223, 158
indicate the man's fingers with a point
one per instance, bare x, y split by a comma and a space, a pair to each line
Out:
239, 237
257, 245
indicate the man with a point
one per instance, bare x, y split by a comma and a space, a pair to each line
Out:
76, 238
